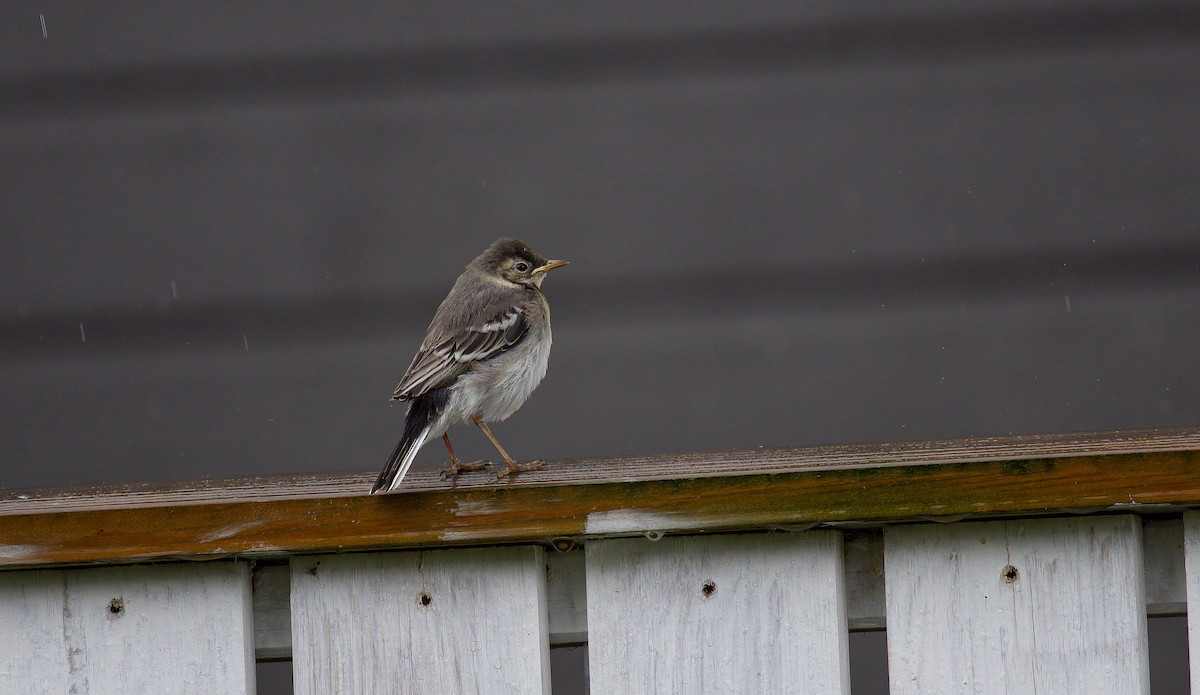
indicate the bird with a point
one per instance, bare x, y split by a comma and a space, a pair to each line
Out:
484, 353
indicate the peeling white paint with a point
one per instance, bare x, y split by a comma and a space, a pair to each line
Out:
958, 622
438, 621
475, 507
227, 531
457, 535
469, 534
21, 552
746, 613
633, 521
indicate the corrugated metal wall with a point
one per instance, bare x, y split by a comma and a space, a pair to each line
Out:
225, 227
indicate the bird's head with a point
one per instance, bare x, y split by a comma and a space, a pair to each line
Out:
511, 259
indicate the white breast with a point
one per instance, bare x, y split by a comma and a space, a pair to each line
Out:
496, 388
516, 374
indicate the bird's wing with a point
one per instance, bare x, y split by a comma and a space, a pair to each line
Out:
443, 360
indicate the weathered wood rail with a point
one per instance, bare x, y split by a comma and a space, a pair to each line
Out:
743, 572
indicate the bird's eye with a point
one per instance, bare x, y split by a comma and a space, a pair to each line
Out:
522, 267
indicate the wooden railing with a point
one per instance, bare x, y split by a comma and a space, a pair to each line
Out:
734, 571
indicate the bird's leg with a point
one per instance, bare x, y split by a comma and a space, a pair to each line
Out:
457, 466
513, 466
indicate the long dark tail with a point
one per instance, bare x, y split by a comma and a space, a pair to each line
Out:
421, 413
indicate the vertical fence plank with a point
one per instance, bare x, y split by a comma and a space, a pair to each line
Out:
444, 621
1024, 606
753, 613
166, 629
1191, 547
33, 646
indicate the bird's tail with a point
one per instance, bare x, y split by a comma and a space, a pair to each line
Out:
417, 423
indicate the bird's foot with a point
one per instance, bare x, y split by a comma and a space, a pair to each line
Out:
457, 467
514, 467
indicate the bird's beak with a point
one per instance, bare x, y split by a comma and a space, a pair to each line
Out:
551, 265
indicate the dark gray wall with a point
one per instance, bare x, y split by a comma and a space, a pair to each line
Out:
224, 227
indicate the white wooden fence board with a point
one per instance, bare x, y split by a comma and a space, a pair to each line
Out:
1072, 621
865, 610
359, 624
180, 628
1191, 535
774, 620
33, 647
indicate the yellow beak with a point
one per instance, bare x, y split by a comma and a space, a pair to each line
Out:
551, 265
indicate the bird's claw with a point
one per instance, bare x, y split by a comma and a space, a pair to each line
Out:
457, 467
514, 467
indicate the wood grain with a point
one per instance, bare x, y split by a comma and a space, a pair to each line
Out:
753, 613
426, 622
181, 628
566, 588
720, 491
1021, 606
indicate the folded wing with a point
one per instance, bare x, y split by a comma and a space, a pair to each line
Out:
440, 364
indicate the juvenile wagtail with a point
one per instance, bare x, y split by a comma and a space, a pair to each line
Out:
484, 352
